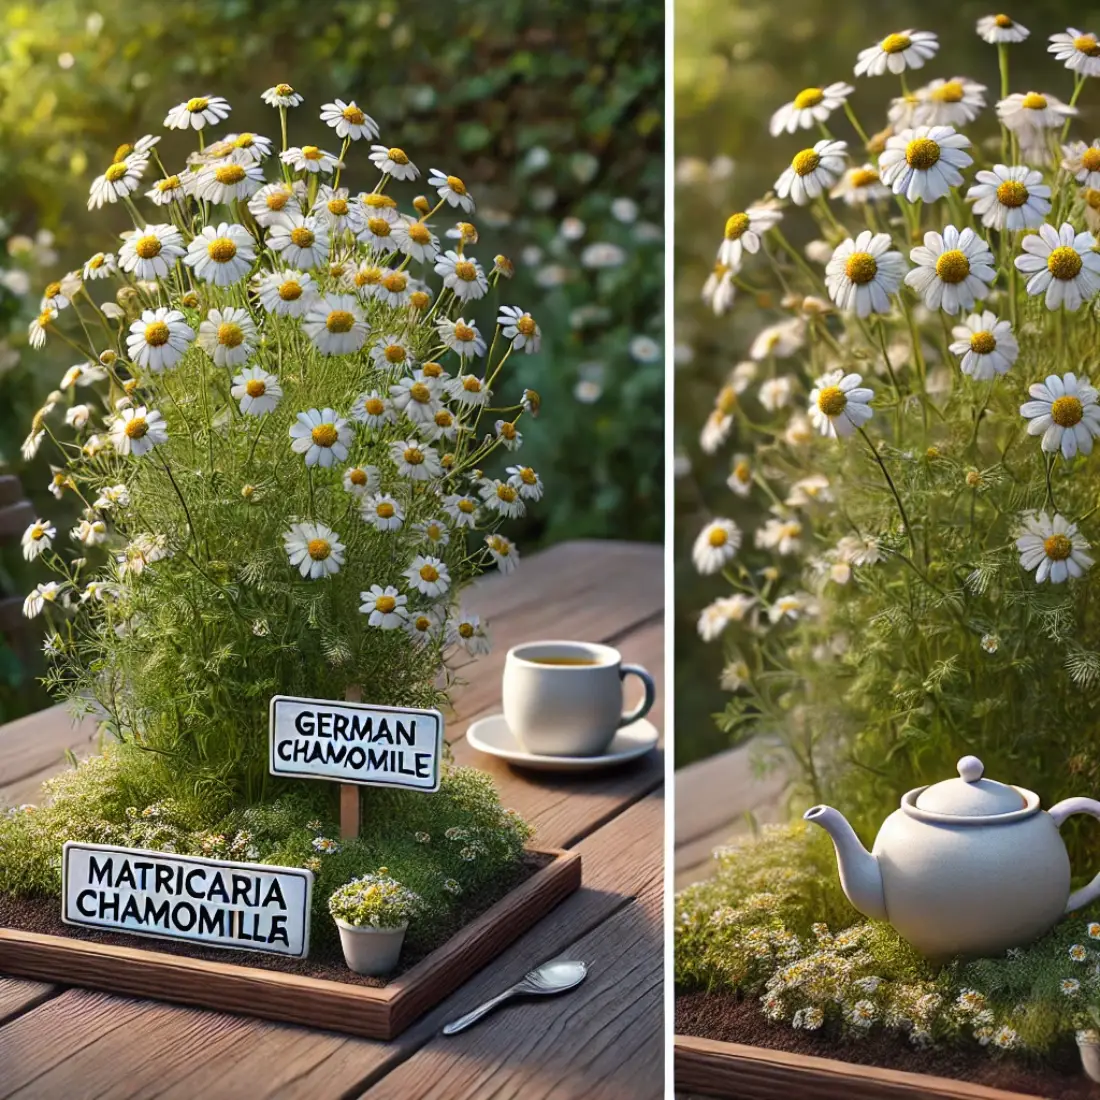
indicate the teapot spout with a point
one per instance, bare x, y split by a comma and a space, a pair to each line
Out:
860, 876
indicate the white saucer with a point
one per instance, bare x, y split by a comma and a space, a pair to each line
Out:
491, 735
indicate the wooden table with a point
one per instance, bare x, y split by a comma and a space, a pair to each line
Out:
602, 1040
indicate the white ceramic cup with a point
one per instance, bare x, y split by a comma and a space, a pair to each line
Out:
569, 709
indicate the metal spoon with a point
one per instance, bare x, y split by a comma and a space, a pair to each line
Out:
551, 977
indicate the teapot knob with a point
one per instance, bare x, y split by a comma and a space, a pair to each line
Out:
970, 769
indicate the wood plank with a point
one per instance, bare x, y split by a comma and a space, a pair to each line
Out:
15, 519
37, 743
752, 1073
17, 997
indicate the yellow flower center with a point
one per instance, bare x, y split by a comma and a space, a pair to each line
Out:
953, 266
338, 207
414, 456
466, 271
896, 43
983, 343
456, 185
506, 493
398, 156
808, 97
157, 334
420, 393
52, 290
1092, 198
148, 247
1003, 21
718, 537
1064, 263
507, 430
199, 103
97, 261
230, 335
863, 177
526, 325
302, 237
221, 250
385, 604
283, 90
379, 227
290, 291
115, 173
861, 267
311, 152
832, 401
169, 183
368, 276
726, 401
429, 573
419, 233
319, 549
378, 201
528, 476
419, 299
395, 353
1087, 44
385, 510
471, 384
340, 320
1067, 411
805, 162
466, 506
1012, 193
353, 115
277, 200
464, 333
255, 387
357, 476
229, 173
136, 427
922, 153
375, 406
949, 92
1033, 101
1090, 159
742, 472
1057, 547
443, 419
432, 370
396, 282
324, 435
736, 225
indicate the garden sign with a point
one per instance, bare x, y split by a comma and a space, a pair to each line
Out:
355, 744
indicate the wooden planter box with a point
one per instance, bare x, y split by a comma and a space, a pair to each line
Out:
711, 1068
290, 998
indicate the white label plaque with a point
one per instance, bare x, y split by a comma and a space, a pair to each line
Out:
243, 906
356, 743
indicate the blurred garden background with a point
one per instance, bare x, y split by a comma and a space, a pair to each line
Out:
735, 64
551, 112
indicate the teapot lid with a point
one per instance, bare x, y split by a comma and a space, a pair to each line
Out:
970, 795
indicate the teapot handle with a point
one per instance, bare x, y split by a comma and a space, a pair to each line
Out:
1059, 812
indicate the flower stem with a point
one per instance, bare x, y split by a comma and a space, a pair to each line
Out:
893, 489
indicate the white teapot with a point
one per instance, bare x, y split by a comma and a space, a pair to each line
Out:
968, 866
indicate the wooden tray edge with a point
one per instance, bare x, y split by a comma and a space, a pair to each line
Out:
742, 1072
291, 998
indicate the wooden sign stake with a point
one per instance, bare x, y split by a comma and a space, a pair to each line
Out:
349, 792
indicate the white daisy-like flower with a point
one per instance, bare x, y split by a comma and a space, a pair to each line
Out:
743, 232
1083, 163
37, 539
197, 113
112, 496
349, 121
232, 179
465, 630
718, 291
897, 52
508, 435
413, 238
119, 180
443, 426
30, 445
335, 324
310, 159
861, 185
1010, 198
433, 532
1033, 111
42, 595
740, 480
716, 616
373, 410
502, 497
775, 393
813, 171
228, 336
248, 148
385, 606
780, 533
1064, 412
954, 269
864, 272
281, 95
159, 339
257, 391
138, 431
463, 275
428, 575
1078, 50
392, 352
469, 391
275, 202
778, 341
221, 254
716, 545
503, 552
520, 327
925, 162
902, 112
152, 252
462, 337
998, 29
451, 188
987, 346
415, 461
840, 403
813, 489
100, 266
322, 436
361, 480
337, 211
315, 549
76, 416
285, 293
89, 532
170, 189
953, 102
525, 481
382, 512
303, 242
1053, 548
393, 288
419, 398
1062, 264
393, 162
462, 508
809, 107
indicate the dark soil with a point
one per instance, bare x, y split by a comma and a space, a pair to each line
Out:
325, 961
727, 1018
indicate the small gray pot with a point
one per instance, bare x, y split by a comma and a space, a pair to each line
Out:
1088, 1043
368, 950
